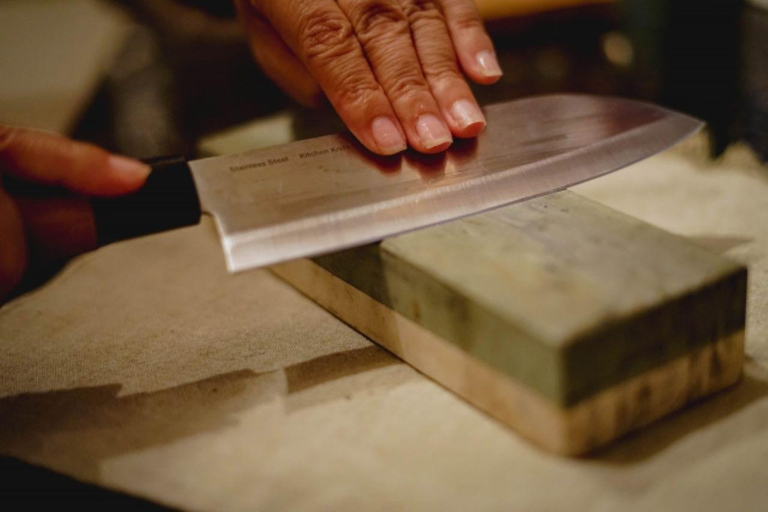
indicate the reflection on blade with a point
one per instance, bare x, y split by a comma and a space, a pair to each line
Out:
321, 195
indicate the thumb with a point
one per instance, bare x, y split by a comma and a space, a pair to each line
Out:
48, 159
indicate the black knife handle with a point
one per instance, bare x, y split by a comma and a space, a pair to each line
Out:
168, 200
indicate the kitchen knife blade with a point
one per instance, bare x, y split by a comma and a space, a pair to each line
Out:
321, 195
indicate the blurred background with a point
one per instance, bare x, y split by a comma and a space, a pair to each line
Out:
145, 77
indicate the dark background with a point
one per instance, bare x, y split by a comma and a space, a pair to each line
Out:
708, 58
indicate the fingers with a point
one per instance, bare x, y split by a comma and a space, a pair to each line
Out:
13, 255
48, 159
391, 68
57, 227
472, 43
438, 60
277, 60
324, 39
36, 231
384, 32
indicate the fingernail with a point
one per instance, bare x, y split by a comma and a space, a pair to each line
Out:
466, 113
387, 136
432, 131
131, 169
488, 64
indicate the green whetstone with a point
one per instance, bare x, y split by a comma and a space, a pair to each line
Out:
566, 320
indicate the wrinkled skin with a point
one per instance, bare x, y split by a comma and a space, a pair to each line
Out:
393, 69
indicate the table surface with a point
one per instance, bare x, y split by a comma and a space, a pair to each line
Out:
144, 367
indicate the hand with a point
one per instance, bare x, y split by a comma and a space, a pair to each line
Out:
39, 221
391, 68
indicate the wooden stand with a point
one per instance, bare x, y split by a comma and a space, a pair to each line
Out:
567, 321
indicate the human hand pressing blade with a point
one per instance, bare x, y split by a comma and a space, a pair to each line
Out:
321, 195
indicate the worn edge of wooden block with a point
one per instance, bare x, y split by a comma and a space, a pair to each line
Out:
572, 430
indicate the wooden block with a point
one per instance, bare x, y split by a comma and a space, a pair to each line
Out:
566, 320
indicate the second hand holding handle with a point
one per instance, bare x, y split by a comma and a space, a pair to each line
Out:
168, 200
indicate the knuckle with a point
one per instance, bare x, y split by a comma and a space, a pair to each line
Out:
406, 84
353, 92
422, 10
469, 21
374, 18
421, 5
325, 34
443, 71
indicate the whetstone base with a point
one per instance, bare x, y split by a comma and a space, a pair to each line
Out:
568, 431
530, 314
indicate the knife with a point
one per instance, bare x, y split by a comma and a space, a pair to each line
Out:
321, 195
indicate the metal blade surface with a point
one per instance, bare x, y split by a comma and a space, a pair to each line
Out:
321, 195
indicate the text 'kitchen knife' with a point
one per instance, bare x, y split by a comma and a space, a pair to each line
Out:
321, 195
